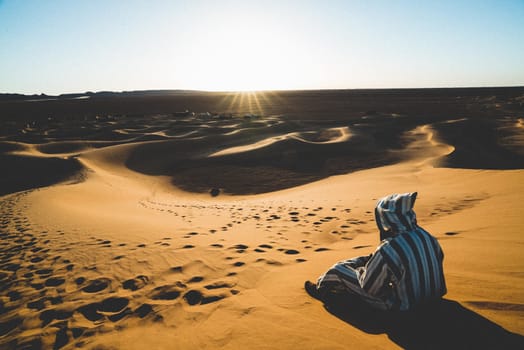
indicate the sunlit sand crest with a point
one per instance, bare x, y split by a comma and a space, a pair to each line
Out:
343, 135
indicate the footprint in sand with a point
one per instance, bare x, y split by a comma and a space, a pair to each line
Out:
196, 279
54, 282
167, 292
44, 272
177, 269
136, 283
321, 249
451, 233
90, 312
195, 297
143, 310
115, 308
14, 295
218, 285
48, 316
36, 259
80, 280
240, 248
38, 304
271, 262
97, 285
113, 305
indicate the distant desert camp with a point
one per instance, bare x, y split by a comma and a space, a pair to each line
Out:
191, 220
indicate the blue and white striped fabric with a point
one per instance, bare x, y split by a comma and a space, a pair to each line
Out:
406, 269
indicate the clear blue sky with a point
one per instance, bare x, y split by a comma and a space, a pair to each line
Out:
74, 46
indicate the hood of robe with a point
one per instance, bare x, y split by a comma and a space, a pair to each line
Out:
394, 214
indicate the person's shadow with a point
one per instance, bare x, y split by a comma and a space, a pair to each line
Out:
444, 325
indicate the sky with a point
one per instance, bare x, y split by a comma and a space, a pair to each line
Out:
60, 46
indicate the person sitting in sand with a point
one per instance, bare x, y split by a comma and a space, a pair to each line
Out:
403, 273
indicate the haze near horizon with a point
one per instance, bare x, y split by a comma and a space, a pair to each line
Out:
60, 47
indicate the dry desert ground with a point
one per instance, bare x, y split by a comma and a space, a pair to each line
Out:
128, 223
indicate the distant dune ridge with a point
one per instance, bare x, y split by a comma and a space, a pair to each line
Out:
484, 130
192, 219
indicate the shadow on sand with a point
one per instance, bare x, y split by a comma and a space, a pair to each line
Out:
446, 325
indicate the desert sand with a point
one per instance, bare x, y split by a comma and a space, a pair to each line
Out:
112, 239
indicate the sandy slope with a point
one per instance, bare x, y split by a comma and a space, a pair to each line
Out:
125, 260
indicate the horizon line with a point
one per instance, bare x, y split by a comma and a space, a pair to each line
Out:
264, 90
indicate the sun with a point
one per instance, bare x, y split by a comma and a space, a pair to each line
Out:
242, 55
248, 102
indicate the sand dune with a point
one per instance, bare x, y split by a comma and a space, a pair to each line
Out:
129, 250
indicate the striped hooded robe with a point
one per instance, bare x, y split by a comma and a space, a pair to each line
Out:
406, 269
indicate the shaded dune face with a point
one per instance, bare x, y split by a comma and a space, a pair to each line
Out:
267, 155
263, 157
484, 143
21, 172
